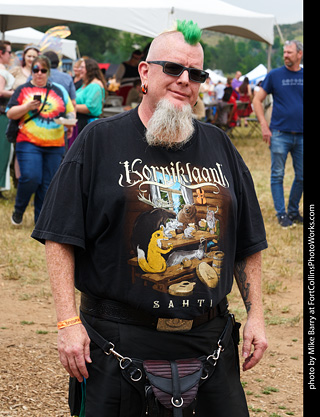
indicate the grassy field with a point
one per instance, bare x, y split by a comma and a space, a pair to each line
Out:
283, 260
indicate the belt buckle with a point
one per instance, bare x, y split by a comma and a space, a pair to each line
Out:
174, 325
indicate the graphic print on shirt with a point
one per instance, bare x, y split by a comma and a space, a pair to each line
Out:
176, 217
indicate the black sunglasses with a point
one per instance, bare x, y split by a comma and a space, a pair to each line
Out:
42, 70
174, 69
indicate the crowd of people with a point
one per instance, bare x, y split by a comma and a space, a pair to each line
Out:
80, 96
215, 96
51, 108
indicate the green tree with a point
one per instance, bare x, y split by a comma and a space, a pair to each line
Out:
228, 59
120, 49
104, 44
210, 56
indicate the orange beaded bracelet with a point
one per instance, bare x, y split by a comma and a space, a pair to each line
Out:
69, 322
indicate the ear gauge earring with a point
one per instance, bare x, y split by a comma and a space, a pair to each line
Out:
144, 89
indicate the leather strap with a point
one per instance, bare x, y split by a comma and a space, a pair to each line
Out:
105, 345
43, 104
96, 337
176, 400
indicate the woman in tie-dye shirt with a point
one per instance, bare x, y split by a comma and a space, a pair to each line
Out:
40, 141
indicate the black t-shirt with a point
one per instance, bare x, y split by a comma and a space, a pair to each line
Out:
157, 229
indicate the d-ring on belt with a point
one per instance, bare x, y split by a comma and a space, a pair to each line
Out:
123, 313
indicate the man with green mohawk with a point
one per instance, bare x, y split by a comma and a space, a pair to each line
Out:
161, 214
191, 31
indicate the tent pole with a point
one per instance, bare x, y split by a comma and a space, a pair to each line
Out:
269, 58
280, 33
3, 25
78, 51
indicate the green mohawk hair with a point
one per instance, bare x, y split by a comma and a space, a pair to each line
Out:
191, 31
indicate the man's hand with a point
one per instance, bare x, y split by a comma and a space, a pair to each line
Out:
248, 276
69, 131
257, 102
266, 133
74, 350
253, 334
73, 341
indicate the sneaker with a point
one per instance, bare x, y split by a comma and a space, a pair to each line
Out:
284, 221
16, 218
296, 219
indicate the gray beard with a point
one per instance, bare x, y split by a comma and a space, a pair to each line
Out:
170, 127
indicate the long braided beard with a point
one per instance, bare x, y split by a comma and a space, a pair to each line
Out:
170, 127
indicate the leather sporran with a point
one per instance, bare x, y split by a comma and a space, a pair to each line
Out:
172, 386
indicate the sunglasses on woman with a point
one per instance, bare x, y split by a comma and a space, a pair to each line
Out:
174, 69
42, 70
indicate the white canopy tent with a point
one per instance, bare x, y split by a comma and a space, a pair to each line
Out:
257, 74
215, 77
139, 16
29, 35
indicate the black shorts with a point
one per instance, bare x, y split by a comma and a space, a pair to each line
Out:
108, 394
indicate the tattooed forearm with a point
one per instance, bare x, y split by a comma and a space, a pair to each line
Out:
243, 285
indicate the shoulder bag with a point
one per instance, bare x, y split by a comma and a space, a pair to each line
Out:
14, 125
